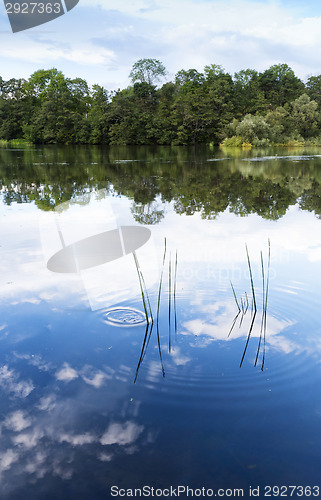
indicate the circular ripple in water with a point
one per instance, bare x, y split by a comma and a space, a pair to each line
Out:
124, 316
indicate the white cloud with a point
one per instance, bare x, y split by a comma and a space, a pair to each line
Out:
217, 326
66, 373
179, 358
8, 458
121, 434
77, 439
130, 8
105, 457
39, 51
182, 33
34, 360
37, 464
28, 439
93, 377
17, 421
9, 381
47, 403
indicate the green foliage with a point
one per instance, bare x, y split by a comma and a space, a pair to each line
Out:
252, 129
248, 95
186, 80
147, 70
232, 142
305, 116
209, 107
280, 85
313, 88
278, 120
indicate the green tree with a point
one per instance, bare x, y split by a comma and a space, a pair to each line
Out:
165, 124
253, 129
248, 97
95, 128
60, 106
280, 126
44, 81
147, 70
188, 79
132, 115
313, 87
14, 108
305, 116
280, 85
218, 89
189, 112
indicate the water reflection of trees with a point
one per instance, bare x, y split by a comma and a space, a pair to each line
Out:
149, 213
151, 177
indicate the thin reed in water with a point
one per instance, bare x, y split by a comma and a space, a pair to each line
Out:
169, 301
265, 303
245, 306
148, 332
251, 277
174, 297
254, 305
247, 303
235, 297
160, 282
141, 282
262, 321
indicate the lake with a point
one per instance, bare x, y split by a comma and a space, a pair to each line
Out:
160, 322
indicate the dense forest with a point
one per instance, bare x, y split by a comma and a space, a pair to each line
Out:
272, 107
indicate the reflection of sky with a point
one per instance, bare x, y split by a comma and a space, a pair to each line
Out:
210, 253
217, 320
220, 242
66, 378
46, 422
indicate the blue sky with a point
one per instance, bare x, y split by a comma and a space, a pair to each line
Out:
100, 40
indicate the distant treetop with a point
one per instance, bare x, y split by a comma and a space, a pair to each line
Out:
147, 70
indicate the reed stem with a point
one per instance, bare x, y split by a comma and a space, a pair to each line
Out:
160, 282
140, 278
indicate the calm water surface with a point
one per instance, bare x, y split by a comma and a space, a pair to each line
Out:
203, 396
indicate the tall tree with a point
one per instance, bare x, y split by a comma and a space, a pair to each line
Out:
95, 128
190, 108
313, 87
148, 71
14, 108
280, 85
248, 97
218, 88
59, 106
305, 116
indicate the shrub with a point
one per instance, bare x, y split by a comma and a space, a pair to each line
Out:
253, 128
232, 142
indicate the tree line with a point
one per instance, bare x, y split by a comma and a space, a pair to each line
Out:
212, 106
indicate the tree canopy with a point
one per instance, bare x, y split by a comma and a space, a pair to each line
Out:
147, 70
196, 107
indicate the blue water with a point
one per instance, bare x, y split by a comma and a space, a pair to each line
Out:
86, 405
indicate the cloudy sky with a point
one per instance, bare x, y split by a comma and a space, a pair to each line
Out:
99, 40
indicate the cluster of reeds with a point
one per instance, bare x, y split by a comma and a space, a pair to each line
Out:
148, 309
245, 306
